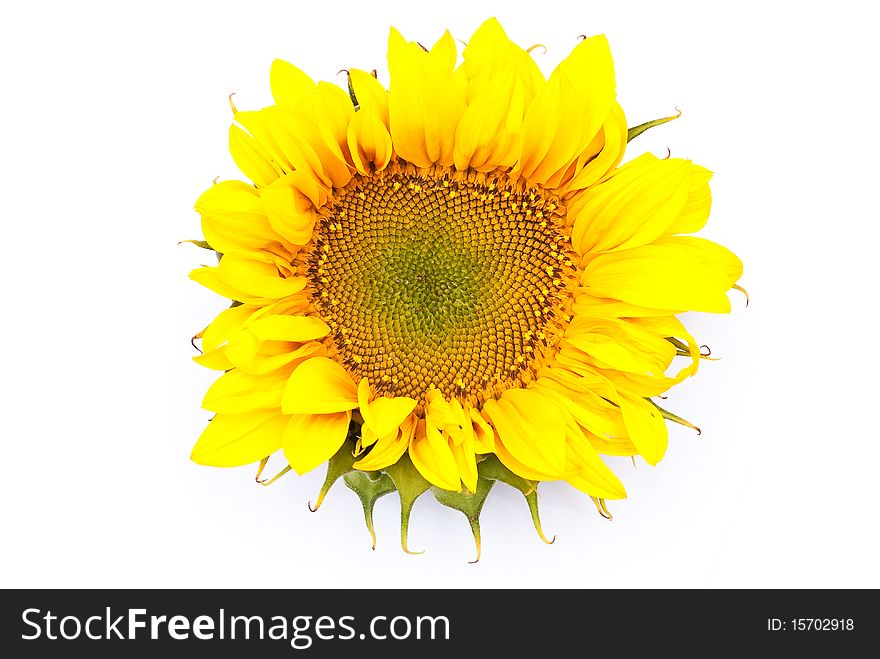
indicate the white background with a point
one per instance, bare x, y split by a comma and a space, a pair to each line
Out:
114, 119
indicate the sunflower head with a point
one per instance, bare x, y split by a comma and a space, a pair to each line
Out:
451, 282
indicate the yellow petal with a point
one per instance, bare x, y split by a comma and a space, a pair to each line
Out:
302, 140
720, 262
633, 207
586, 470
675, 273
462, 430
590, 306
235, 392
431, 455
484, 435
232, 440
490, 54
370, 94
233, 217
389, 413
369, 141
246, 353
466, 460
696, 210
211, 278
252, 159
525, 471
383, 415
319, 386
289, 84
565, 116
645, 427
590, 410
335, 111
224, 325
287, 211
289, 328
425, 103
532, 428
249, 277
388, 450
311, 439
604, 153
621, 345
439, 412
488, 135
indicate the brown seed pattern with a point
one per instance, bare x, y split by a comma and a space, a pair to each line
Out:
429, 279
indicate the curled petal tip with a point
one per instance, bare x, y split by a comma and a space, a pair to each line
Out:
263, 462
479, 547
536, 46
267, 483
318, 503
602, 509
320, 500
404, 541
743, 291
544, 537
475, 529
232, 104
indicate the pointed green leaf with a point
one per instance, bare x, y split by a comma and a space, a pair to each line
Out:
339, 465
470, 504
635, 131
492, 469
369, 490
410, 486
666, 414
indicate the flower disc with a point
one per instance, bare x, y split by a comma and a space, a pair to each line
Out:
427, 281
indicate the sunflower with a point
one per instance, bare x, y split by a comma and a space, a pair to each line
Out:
452, 282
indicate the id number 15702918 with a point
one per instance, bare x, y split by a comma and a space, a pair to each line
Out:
810, 624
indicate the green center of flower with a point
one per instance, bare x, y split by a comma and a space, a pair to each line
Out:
427, 280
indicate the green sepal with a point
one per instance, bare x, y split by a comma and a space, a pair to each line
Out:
666, 414
198, 243
410, 486
681, 348
468, 503
492, 469
351, 94
369, 487
635, 131
339, 465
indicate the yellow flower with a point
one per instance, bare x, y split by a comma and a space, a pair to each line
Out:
452, 282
